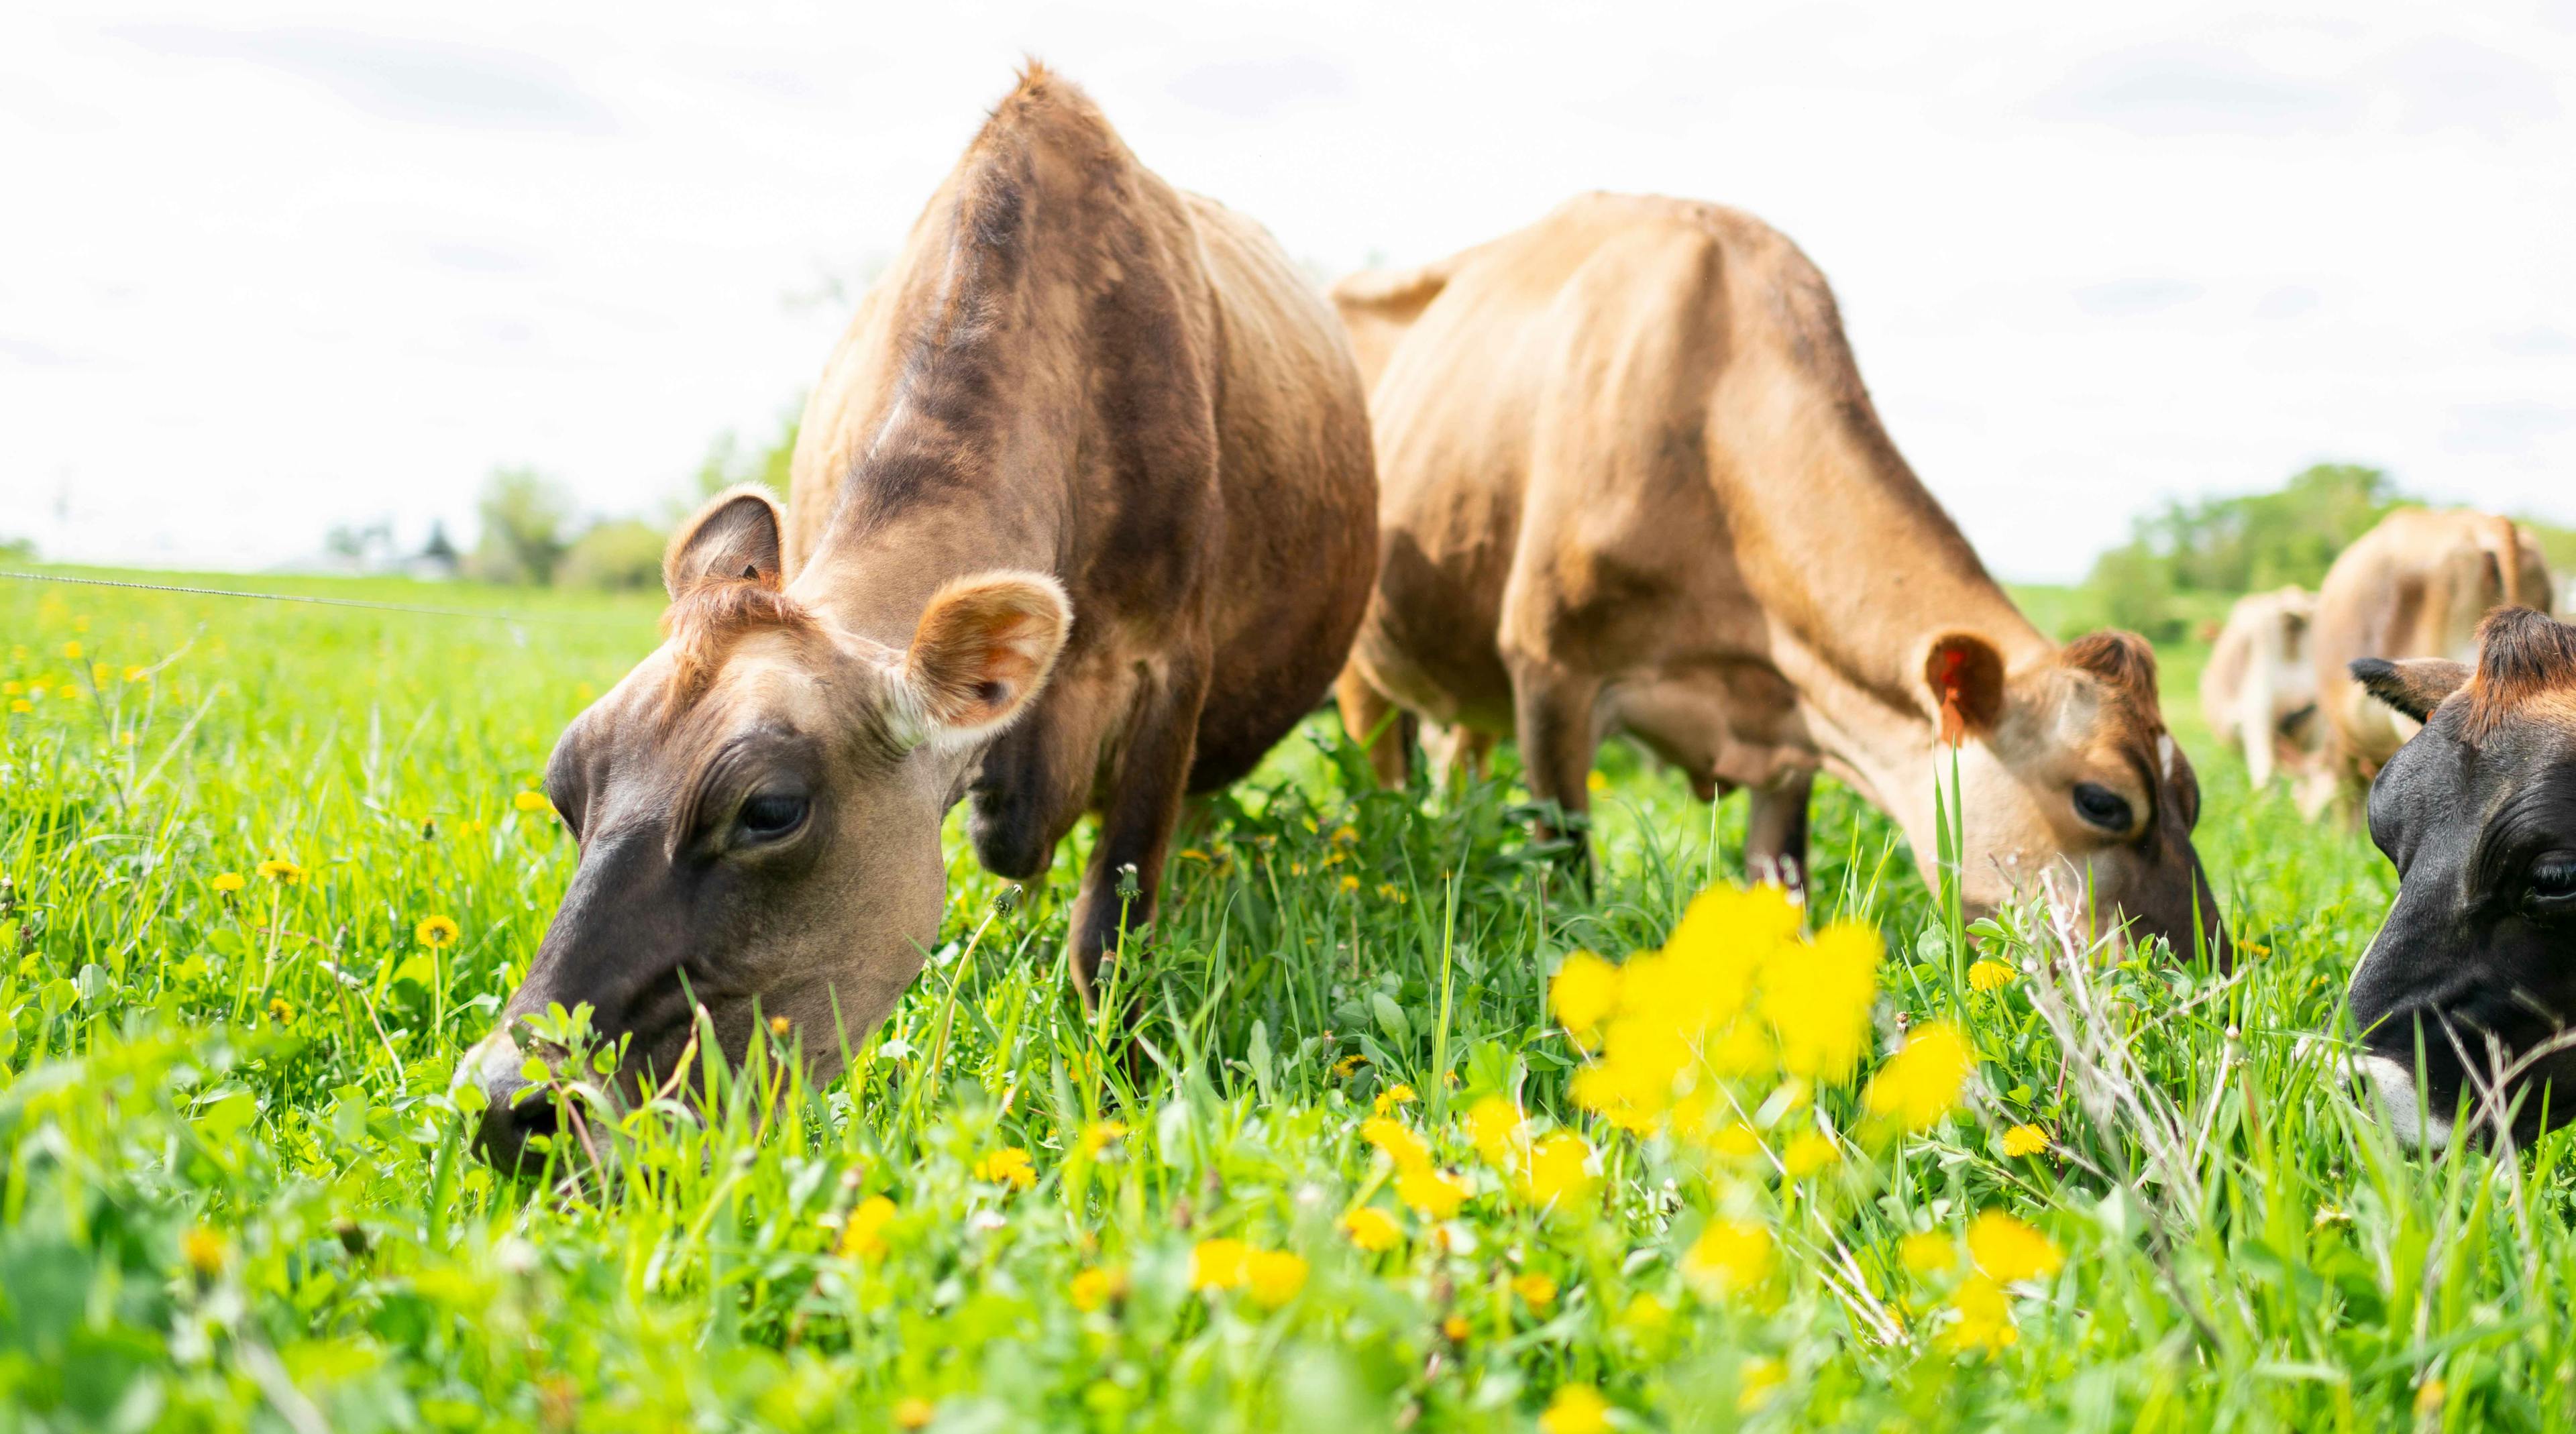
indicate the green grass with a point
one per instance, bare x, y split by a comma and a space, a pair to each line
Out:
233, 1191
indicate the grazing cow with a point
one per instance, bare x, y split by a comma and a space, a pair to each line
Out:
2475, 969
2414, 586
2259, 691
1630, 481
1082, 518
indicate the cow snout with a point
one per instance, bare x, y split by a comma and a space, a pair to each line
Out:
508, 1120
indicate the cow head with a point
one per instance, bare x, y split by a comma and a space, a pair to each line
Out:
758, 807
2478, 813
2069, 762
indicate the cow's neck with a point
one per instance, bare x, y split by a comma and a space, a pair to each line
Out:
969, 469
1859, 572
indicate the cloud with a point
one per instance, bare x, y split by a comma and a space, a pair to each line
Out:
1259, 89
2289, 301
469, 258
2188, 89
2538, 339
2128, 298
419, 81
35, 353
2503, 427
2449, 82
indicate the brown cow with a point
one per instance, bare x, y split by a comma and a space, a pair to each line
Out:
1082, 518
2259, 690
1630, 480
2414, 586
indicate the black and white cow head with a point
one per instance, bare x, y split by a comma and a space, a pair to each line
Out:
2478, 812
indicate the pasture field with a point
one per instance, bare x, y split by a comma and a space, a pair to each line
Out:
270, 870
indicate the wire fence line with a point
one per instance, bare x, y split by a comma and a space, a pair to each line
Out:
485, 615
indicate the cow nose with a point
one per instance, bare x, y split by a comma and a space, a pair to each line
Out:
510, 1113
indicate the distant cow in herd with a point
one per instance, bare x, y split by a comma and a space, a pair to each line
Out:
1631, 482
2414, 586
2258, 692
1082, 519
2471, 983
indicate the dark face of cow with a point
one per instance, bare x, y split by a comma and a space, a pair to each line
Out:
758, 805
2476, 965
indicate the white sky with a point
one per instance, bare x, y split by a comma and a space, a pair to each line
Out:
270, 267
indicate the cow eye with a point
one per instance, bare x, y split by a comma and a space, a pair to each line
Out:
2103, 807
771, 815
2552, 886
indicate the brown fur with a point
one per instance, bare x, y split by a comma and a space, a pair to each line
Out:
2417, 585
2524, 661
1631, 480
1082, 517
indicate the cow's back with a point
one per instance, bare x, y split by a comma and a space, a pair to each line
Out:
1300, 497
1544, 343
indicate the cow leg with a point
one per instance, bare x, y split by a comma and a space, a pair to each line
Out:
1775, 830
1553, 710
1374, 721
1144, 805
1471, 756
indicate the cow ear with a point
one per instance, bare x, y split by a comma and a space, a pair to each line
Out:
736, 535
981, 653
1966, 678
2415, 686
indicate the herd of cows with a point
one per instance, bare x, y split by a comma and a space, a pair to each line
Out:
1096, 499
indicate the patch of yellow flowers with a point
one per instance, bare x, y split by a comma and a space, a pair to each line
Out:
1742, 1010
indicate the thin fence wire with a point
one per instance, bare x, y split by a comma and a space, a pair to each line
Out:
485, 615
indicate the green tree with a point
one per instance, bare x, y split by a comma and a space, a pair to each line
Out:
729, 461
525, 517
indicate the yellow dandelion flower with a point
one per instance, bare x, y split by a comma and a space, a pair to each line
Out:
281, 1010
1393, 1096
1399, 1142
1729, 1257
1390, 891
1430, 1191
2429, 1398
1558, 1171
1350, 884
1583, 994
1218, 1264
1921, 1083
281, 871
132, 674
914, 1412
1372, 1229
1346, 834
1928, 1252
1100, 1135
1757, 1381
1536, 1290
11, 689
99, 673
203, 1249
1495, 1126
228, 882
1575, 1409
435, 932
1274, 1276
2010, 1249
71, 652
1984, 1317
2024, 1140
1595, 783
1093, 1289
1348, 1065
863, 1234
779, 1026
1737, 1141
1990, 975
1008, 1166
1646, 1316
1816, 997
1809, 1152
528, 801
21, 705
1456, 1329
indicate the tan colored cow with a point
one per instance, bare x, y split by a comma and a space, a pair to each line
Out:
1082, 519
2416, 585
1630, 482
2259, 691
